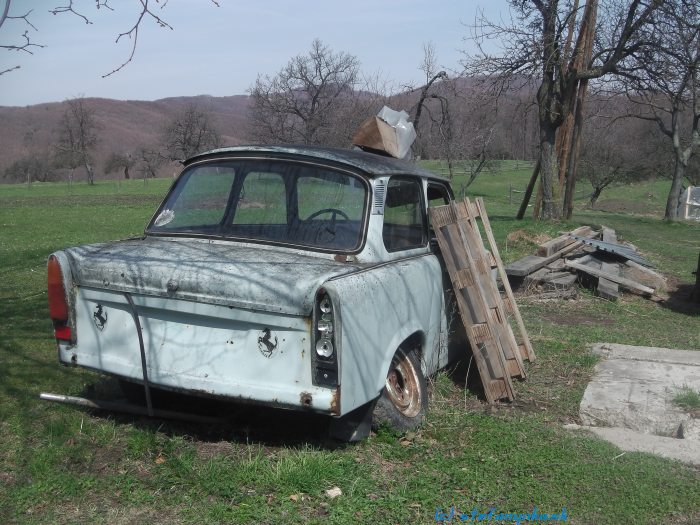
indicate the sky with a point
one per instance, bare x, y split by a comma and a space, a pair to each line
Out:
220, 51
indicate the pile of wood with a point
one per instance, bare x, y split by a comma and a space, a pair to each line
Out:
593, 258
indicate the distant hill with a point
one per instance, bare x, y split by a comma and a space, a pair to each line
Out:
125, 126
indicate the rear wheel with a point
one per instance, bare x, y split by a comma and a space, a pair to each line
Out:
404, 399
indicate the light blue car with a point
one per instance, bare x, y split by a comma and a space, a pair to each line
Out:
297, 277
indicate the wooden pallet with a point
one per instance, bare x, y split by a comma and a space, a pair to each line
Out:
484, 312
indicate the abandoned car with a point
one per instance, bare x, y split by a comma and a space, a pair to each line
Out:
296, 277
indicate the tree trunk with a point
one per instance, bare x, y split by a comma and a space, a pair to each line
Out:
528, 191
675, 194
549, 172
90, 173
597, 190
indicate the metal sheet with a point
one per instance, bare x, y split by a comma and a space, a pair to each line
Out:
617, 249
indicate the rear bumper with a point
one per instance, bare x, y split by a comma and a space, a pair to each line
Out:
200, 349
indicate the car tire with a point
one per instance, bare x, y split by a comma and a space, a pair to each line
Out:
404, 398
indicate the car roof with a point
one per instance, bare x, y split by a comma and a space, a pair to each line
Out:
372, 164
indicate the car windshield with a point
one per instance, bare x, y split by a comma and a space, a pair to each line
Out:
267, 200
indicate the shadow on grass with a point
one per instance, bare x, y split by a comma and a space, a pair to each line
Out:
241, 423
679, 301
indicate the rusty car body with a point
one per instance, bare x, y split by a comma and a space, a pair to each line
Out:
297, 277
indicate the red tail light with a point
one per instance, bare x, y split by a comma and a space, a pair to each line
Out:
58, 304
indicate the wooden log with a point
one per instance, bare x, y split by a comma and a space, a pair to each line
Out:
626, 283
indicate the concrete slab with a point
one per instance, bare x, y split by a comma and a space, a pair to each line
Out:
684, 450
633, 388
647, 353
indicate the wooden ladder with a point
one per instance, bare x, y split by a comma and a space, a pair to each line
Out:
485, 313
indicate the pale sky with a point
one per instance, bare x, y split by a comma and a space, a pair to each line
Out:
219, 51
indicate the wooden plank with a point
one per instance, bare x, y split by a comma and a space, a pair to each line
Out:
626, 283
553, 276
462, 268
554, 245
608, 235
525, 338
608, 289
644, 275
536, 278
565, 281
530, 263
489, 297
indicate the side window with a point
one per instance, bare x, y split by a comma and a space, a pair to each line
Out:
404, 216
437, 195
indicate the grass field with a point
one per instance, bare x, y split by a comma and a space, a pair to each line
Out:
62, 464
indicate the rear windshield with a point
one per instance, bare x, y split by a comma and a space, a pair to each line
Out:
274, 201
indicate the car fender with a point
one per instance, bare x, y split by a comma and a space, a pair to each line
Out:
378, 309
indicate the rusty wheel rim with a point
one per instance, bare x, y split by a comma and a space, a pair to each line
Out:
403, 385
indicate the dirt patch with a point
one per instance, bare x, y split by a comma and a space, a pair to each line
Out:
577, 319
211, 450
7, 478
623, 206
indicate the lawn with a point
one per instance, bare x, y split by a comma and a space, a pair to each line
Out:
61, 464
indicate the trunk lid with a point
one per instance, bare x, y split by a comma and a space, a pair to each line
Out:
216, 272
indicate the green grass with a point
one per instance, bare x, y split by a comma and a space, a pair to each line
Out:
61, 464
687, 398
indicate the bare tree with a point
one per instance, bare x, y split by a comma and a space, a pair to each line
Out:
145, 11
666, 86
538, 46
149, 162
606, 156
301, 102
29, 169
120, 162
191, 132
77, 137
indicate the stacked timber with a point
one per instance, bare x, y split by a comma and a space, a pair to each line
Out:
593, 258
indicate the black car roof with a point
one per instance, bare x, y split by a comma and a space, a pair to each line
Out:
369, 163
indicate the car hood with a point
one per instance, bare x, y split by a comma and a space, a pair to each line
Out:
228, 273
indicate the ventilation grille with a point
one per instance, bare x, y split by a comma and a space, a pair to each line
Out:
379, 193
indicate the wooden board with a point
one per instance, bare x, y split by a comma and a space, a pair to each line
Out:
626, 283
556, 244
531, 263
608, 289
484, 313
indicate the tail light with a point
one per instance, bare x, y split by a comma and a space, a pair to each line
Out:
58, 301
325, 355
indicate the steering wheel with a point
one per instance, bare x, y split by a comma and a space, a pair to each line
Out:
333, 211
329, 228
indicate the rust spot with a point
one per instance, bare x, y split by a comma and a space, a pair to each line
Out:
306, 399
309, 323
340, 258
335, 402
